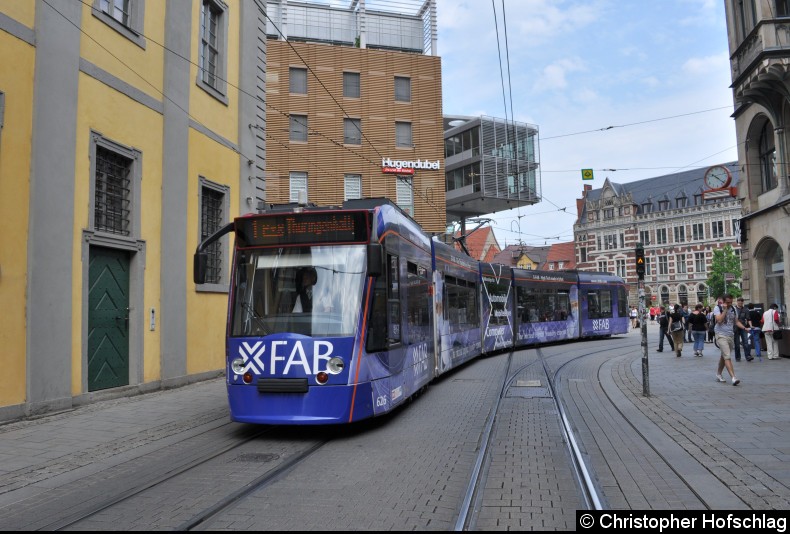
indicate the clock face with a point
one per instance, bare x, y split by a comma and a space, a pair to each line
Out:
717, 177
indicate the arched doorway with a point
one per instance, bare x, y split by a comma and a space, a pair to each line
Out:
702, 293
664, 295
683, 294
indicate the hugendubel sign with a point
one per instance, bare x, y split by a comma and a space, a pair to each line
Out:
398, 166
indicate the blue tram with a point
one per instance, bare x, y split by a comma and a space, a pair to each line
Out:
340, 314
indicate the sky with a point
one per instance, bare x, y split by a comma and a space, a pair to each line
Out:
658, 72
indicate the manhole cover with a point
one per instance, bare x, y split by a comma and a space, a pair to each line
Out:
528, 392
528, 383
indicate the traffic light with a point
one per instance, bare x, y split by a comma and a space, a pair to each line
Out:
640, 261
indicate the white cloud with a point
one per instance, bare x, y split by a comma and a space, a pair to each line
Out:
554, 76
705, 65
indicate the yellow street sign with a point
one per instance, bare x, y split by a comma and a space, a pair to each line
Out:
587, 174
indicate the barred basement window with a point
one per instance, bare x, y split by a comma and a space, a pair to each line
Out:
112, 194
211, 218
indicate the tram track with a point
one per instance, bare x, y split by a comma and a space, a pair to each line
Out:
470, 506
584, 472
84, 518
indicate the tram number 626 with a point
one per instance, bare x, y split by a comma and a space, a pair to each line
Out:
600, 324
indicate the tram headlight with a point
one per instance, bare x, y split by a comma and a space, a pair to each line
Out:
335, 366
237, 365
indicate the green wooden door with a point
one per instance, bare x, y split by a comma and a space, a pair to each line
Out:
108, 319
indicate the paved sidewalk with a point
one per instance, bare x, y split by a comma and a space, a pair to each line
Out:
733, 441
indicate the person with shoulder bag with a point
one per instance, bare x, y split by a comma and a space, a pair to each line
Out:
677, 329
772, 328
755, 319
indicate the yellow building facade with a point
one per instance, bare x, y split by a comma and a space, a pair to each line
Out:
126, 136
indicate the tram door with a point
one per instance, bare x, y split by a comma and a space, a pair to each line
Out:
108, 319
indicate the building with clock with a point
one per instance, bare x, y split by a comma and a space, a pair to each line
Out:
679, 218
758, 36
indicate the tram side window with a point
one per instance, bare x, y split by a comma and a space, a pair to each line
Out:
460, 307
527, 305
393, 299
418, 301
563, 308
384, 319
599, 304
622, 302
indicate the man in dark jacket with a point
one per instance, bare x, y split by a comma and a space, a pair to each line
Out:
742, 334
663, 325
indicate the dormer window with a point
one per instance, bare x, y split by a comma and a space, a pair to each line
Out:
681, 202
608, 213
647, 207
663, 205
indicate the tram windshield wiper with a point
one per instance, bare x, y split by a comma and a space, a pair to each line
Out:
258, 319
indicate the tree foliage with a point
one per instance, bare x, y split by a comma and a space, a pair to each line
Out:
724, 261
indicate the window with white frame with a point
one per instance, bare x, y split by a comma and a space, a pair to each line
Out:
699, 262
124, 16
717, 229
214, 207
352, 131
402, 89
680, 234
298, 127
213, 48
644, 237
352, 186
603, 266
351, 88
663, 265
298, 183
583, 255
698, 231
661, 236
608, 213
680, 264
403, 134
620, 268
297, 81
405, 194
622, 240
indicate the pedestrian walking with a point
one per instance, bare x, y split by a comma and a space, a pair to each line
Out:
653, 313
699, 328
677, 330
686, 326
742, 334
634, 317
726, 321
755, 320
772, 326
663, 330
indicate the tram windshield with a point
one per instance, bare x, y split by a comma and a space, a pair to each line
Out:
314, 291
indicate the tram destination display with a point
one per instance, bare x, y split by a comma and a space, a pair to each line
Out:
290, 229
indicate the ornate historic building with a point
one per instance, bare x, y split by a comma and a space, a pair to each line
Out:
677, 219
759, 34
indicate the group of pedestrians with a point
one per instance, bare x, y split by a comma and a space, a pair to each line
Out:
731, 325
